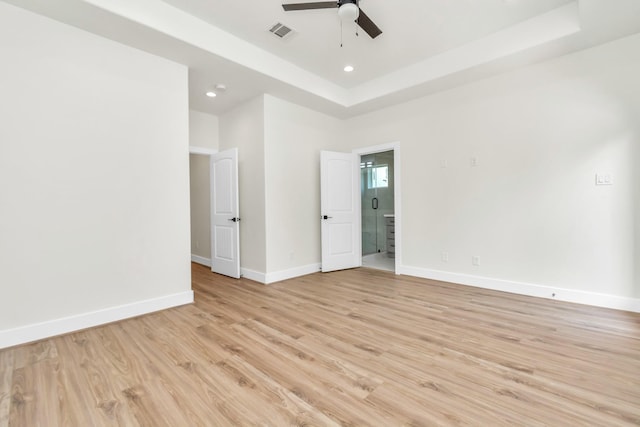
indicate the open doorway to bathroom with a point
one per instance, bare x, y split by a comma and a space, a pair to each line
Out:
199, 183
377, 192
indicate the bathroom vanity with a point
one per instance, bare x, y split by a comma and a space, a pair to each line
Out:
390, 222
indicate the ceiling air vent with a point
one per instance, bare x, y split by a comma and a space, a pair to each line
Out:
280, 30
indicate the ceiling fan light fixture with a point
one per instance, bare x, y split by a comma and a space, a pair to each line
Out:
348, 68
349, 12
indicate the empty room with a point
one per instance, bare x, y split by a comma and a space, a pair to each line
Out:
333, 213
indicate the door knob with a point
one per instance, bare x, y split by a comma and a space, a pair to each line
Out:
325, 217
235, 219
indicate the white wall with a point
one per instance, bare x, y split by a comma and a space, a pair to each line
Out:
204, 130
243, 128
279, 147
94, 190
203, 133
530, 209
294, 137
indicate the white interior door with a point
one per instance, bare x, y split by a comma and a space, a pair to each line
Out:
225, 215
340, 210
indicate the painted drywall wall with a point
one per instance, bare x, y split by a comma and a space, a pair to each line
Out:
530, 208
203, 133
294, 137
204, 130
94, 179
243, 128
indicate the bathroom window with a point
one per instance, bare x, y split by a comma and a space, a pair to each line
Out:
379, 176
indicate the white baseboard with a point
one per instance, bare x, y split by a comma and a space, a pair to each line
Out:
541, 291
200, 260
278, 276
38, 331
253, 275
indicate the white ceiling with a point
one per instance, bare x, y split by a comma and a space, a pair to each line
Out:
426, 45
412, 30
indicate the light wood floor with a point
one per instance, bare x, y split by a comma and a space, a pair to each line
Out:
359, 347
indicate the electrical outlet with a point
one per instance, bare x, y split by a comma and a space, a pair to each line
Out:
603, 179
445, 256
475, 260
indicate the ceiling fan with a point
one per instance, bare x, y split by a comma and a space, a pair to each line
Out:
347, 9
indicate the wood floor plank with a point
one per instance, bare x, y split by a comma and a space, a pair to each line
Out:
35, 400
185, 373
301, 412
311, 363
33, 353
353, 348
6, 379
45, 390
86, 352
77, 405
124, 371
153, 405
313, 388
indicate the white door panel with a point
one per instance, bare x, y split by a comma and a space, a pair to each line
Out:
224, 243
340, 211
225, 232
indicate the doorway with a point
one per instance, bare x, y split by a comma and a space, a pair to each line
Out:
341, 209
200, 195
215, 217
377, 201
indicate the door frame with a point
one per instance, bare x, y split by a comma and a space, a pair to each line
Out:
204, 151
397, 205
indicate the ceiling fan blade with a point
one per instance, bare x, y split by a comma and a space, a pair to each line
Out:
307, 6
368, 26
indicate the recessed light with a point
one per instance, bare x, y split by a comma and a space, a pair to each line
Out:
211, 94
348, 68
